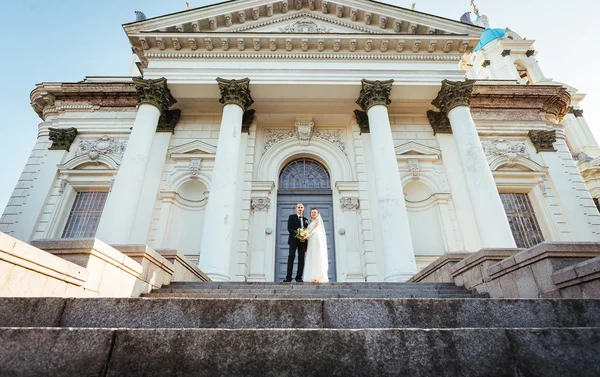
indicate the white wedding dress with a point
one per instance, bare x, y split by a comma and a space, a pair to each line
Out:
317, 262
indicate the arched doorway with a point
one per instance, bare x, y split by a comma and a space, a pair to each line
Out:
306, 181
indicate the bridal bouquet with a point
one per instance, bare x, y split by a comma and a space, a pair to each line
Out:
302, 234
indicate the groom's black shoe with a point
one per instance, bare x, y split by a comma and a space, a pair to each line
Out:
299, 281
287, 281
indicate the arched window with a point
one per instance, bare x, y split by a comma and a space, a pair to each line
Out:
304, 174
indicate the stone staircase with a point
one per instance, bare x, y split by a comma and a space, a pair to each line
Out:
270, 329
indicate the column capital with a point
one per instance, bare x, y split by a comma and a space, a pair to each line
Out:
454, 94
154, 92
168, 120
62, 138
235, 92
543, 140
439, 122
247, 120
374, 93
363, 121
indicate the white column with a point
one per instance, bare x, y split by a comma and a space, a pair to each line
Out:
393, 219
151, 185
494, 230
219, 223
121, 206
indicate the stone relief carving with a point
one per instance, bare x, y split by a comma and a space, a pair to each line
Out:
208, 43
325, 6
260, 204
193, 44
350, 203
212, 23
368, 45
337, 45
105, 145
311, 5
339, 10
384, 45
400, 46
304, 128
336, 137
241, 45
195, 166
304, 25
352, 46
256, 42
397, 26
228, 20
382, 22
448, 46
288, 44
498, 147
255, 13
298, 4
241, 17
176, 43
269, 10
154, 92
414, 168
225, 44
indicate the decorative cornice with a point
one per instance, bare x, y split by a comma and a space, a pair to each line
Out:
558, 105
295, 56
235, 92
374, 93
454, 94
363, 121
168, 120
439, 122
62, 138
543, 140
154, 92
247, 120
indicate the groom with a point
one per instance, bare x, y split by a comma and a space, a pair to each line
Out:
294, 222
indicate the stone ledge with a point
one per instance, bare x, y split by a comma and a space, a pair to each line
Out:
471, 272
185, 270
579, 281
157, 270
560, 250
439, 270
18, 253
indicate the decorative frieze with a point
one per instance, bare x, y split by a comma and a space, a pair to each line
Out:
62, 138
104, 146
284, 6
454, 94
269, 10
298, 4
305, 56
543, 140
375, 93
247, 120
305, 25
260, 204
350, 203
448, 46
193, 44
500, 147
168, 121
236, 92
154, 92
255, 13
335, 137
363, 121
439, 122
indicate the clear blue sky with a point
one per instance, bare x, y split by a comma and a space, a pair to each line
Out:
67, 40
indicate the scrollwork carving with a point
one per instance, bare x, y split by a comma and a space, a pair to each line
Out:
105, 145
500, 147
154, 92
350, 203
260, 204
543, 140
454, 94
62, 138
236, 92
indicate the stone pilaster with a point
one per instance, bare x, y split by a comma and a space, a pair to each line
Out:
154, 92
375, 93
454, 94
62, 138
236, 92
543, 140
439, 122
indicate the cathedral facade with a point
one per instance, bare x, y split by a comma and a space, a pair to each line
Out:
414, 135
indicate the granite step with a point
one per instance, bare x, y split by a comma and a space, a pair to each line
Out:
286, 295
297, 313
500, 352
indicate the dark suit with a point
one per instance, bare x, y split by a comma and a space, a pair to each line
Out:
293, 225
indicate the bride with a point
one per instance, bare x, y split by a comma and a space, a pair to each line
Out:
317, 261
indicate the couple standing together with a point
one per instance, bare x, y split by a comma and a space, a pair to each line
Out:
312, 249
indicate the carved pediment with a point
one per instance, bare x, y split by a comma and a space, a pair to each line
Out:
416, 150
192, 150
307, 23
271, 15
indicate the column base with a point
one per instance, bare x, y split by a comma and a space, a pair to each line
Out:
398, 278
214, 276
